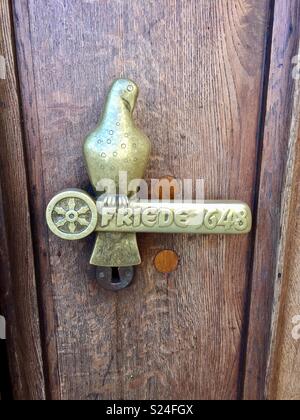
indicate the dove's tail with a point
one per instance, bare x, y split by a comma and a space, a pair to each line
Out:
116, 250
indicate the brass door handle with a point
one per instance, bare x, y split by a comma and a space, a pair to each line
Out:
117, 147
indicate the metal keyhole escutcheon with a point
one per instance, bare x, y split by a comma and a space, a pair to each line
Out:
115, 278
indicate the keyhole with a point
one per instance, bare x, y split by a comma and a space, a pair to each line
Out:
115, 278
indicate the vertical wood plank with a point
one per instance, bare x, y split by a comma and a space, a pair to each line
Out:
274, 157
5, 280
18, 287
283, 379
199, 65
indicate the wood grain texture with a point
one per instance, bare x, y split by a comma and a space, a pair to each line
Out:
18, 287
4, 256
274, 163
199, 66
283, 379
5, 279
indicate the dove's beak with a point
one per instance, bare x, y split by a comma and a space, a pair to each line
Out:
127, 104
127, 91
130, 96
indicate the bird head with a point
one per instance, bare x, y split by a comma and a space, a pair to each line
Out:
127, 91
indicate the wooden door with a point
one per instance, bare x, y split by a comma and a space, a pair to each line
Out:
216, 101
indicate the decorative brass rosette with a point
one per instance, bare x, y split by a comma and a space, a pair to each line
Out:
72, 215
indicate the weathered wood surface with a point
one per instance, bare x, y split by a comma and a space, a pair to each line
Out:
199, 65
18, 284
283, 379
274, 162
5, 279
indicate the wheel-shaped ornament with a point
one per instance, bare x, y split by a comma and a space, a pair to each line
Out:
72, 215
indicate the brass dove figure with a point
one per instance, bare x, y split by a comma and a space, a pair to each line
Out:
116, 145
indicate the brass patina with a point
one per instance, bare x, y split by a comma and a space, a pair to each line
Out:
117, 145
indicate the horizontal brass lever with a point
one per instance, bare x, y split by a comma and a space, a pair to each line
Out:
73, 215
115, 146
209, 217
